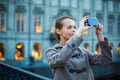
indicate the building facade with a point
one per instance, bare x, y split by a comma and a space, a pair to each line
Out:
26, 26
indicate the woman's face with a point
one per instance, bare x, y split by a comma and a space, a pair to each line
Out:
68, 29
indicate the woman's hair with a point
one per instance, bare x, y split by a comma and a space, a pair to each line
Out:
59, 24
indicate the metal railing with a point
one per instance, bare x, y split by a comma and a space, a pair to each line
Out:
9, 72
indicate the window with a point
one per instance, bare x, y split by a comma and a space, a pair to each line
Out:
110, 27
20, 51
98, 4
87, 46
111, 5
119, 7
38, 1
2, 54
2, 22
86, 13
100, 18
37, 53
118, 30
64, 12
74, 3
20, 23
52, 22
110, 24
37, 24
118, 27
65, 3
54, 2
86, 4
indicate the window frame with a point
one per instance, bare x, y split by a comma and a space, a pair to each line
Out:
21, 26
4, 19
39, 22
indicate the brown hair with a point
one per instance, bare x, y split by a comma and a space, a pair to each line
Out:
59, 25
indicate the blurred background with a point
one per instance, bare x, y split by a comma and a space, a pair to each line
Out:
27, 27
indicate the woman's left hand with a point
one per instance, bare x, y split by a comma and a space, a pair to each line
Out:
99, 32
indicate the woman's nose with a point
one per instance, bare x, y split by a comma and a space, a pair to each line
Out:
73, 29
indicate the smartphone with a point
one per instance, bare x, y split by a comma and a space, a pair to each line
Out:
92, 21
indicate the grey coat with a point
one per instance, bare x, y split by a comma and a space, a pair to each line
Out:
68, 62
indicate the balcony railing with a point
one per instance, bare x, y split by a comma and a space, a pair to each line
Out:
9, 72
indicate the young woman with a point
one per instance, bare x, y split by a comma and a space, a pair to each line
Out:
66, 60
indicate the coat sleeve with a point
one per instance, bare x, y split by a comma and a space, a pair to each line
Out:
59, 58
105, 57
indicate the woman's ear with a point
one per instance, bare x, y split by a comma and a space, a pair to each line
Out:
58, 31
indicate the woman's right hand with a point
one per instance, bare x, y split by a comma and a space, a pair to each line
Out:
83, 26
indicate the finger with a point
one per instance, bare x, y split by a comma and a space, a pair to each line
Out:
100, 25
99, 29
85, 21
87, 16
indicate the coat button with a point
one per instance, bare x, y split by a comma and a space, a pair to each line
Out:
71, 70
73, 46
76, 55
84, 69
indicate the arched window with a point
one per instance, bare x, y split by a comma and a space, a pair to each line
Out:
20, 23
37, 24
98, 49
87, 46
119, 50
2, 22
37, 53
20, 51
2, 53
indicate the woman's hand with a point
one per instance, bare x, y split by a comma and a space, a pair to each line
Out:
99, 32
83, 26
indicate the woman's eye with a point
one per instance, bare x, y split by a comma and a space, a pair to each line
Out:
74, 27
69, 27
